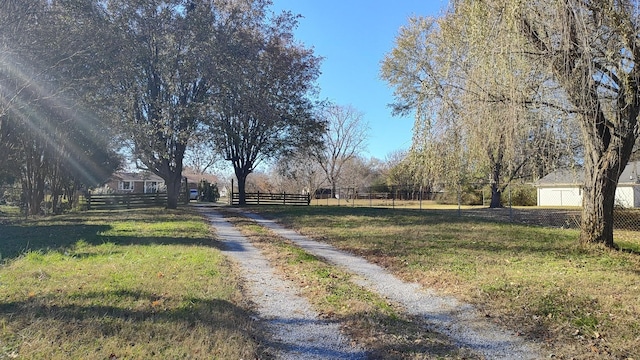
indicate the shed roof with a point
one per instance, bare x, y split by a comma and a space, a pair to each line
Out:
631, 174
563, 177
575, 176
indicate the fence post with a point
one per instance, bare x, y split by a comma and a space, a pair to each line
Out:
353, 199
284, 198
510, 205
393, 197
459, 199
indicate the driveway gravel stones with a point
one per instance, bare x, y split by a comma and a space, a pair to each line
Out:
299, 332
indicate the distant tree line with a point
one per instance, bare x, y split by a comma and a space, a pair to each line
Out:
85, 83
501, 91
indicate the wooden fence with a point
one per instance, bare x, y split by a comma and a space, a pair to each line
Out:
126, 201
259, 198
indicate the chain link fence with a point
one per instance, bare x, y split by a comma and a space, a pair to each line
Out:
523, 203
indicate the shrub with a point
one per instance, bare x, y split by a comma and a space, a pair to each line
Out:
208, 192
523, 195
469, 196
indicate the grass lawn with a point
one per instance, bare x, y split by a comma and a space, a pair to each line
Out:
582, 302
133, 284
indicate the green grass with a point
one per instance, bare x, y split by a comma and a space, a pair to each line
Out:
134, 284
151, 283
539, 282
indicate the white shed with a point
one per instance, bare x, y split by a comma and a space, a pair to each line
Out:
564, 187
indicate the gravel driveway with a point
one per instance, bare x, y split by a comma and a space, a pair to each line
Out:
298, 332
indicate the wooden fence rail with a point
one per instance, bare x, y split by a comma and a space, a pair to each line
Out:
258, 198
124, 201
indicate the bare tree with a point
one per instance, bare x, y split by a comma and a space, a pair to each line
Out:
299, 173
361, 173
344, 140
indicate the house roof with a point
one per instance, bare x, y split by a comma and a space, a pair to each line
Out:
573, 177
631, 173
149, 176
130, 176
193, 177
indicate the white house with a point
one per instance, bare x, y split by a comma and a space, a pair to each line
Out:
564, 187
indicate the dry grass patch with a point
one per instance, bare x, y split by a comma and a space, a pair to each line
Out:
126, 284
582, 302
368, 319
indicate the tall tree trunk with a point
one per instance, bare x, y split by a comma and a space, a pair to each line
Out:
55, 184
609, 121
605, 159
496, 196
173, 183
170, 170
242, 188
34, 195
598, 201
33, 181
71, 193
496, 173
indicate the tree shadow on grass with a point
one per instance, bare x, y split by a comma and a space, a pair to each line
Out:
76, 319
393, 337
16, 240
59, 233
73, 307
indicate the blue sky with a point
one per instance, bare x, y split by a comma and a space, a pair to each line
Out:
352, 36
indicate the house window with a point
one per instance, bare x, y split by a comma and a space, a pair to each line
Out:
150, 187
126, 185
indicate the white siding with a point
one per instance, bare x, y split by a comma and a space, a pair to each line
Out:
559, 196
626, 196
